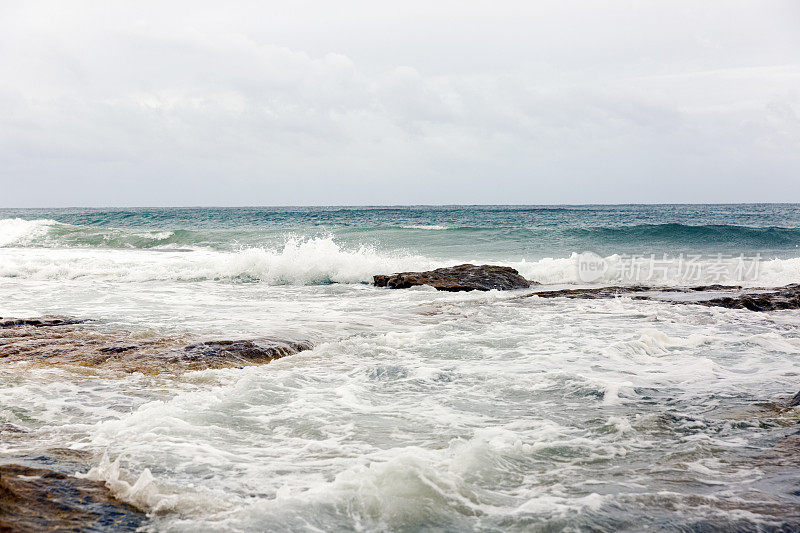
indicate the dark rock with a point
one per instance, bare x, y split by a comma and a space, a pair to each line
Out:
458, 278
44, 321
116, 349
257, 350
11, 428
794, 401
787, 297
39, 499
591, 293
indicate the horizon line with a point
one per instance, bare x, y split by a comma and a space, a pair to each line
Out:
355, 206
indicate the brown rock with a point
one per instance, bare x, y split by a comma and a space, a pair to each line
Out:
40, 322
89, 346
458, 278
39, 499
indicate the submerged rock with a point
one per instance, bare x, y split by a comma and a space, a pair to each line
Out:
458, 278
39, 499
40, 322
591, 293
88, 346
794, 401
787, 297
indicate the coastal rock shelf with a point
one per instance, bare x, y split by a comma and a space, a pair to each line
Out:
458, 278
67, 341
40, 499
730, 297
40, 322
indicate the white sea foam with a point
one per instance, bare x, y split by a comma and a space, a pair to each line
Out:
478, 413
670, 273
425, 227
311, 261
302, 262
145, 493
155, 235
16, 231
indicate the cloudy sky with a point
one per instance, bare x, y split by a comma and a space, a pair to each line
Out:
258, 103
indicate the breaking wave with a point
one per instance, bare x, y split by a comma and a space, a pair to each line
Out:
315, 261
19, 232
299, 261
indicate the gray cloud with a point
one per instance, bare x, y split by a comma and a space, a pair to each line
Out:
548, 102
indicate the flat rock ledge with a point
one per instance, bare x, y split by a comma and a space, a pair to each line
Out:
458, 278
40, 499
727, 296
69, 341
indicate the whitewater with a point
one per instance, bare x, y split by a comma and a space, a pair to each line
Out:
418, 409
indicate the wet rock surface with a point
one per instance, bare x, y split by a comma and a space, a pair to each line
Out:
770, 300
90, 346
40, 499
458, 278
244, 351
40, 322
787, 297
794, 401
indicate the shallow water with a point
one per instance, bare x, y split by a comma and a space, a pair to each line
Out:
417, 409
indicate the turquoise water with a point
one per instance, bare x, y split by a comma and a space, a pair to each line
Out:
485, 232
417, 409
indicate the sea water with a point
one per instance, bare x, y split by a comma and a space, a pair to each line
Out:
418, 409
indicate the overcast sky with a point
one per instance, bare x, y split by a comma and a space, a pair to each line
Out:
257, 103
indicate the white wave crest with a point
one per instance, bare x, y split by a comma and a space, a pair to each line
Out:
145, 493
16, 231
300, 262
319, 260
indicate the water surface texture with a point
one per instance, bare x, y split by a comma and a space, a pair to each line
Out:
418, 409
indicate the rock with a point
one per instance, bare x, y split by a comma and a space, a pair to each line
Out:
88, 346
787, 297
591, 293
44, 321
794, 401
458, 278
39, 499
243, 351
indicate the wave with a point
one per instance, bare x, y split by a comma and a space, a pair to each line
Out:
693, 234
299, 261
317, 261
16, 232
48, 233
432, 227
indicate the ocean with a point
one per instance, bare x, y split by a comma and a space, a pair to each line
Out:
420, 410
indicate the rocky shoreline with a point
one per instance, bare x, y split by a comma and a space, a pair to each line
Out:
38, 492
65, 340
39, 495
729, 297
41, 499
468, 277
